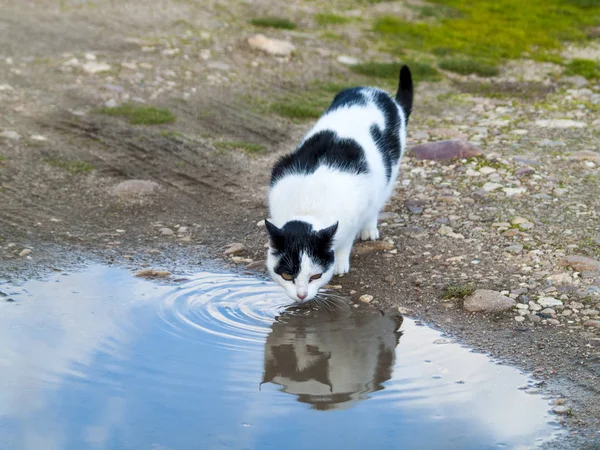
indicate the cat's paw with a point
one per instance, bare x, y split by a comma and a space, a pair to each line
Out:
341, 267
369, 234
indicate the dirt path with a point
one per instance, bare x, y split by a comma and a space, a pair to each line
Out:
504, 222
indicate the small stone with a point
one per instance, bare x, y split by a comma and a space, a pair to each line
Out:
445, 150
445, 230
170, 52
387, 216
549, 302
112, 103
24, 253
260, 223
347, 60
520, 319
366, 298
560, 123
524, 171
490, 187
275, 47
561, 279
511, 192
581, 263
205, 54
240, 260
522, 306
534, 318
587, 155
483, 300
9, 134
487, 170
6, 87
414, 206
134, 188
367, 247
515, 249
561, 409
576, 80
93, 67
234, 249
182, 230
592, 323
255, 265
566, 313
553, 322
590, 312
548, 311
152, 273
166, 232
534, 306
576, 305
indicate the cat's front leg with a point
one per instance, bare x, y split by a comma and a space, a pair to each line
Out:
342, 260
370, 231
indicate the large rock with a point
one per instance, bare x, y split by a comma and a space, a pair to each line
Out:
581, 263
275, 47
445, 150
134, 188
484, 300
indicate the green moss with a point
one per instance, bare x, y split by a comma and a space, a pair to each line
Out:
331, 19
74, 167
468, 66
492, 29
420, 71
247, 147
585, 67
458, 291
2, 158
139, 114
273, 22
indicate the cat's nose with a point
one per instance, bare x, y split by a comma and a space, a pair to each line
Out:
302, 296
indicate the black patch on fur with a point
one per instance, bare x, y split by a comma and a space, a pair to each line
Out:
404, 95
296, 237
388, 139
322, 149
347, 98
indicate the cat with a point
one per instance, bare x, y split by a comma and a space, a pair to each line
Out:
331, 189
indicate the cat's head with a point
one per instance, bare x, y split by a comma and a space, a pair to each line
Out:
300, 258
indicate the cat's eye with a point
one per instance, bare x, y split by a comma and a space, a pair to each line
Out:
287, 276
315, 277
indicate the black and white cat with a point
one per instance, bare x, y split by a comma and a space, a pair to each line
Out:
333, 186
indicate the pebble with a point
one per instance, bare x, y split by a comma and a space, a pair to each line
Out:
548, 311
516, 248
367, 247
445, 150
234, 249
93, 67
6, 87
271, 46
152, 273
414, 206
548, 302
9, 134
561, 279
487, 170
561, 409
586, 155
347, 60
257, 265
490, 187
511, 192
590, 312
134, 188
445, 230
366, 298
560, 123
24, 253
484, 300
581, 263
553, 321
166, 232
520, 319
387, 215
592, 323
534, 318
534, 306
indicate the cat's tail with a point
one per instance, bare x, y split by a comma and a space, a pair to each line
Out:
404, 96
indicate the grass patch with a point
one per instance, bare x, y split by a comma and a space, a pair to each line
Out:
459, 291
420, 71
492, 29
247, 147
309, 106
273, 22
585, 67
468, 66
139, 114
2, 158
331, 19
72, 167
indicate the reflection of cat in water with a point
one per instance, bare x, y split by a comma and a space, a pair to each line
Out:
331, 359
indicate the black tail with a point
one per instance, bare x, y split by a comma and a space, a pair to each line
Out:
404, 96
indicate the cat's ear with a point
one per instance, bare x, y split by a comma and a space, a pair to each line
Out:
327, 234
275, 234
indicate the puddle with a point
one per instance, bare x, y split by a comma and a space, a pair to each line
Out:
102, 360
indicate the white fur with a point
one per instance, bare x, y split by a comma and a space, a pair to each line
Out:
329, 195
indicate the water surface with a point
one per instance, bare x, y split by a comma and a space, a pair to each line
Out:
103, 360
